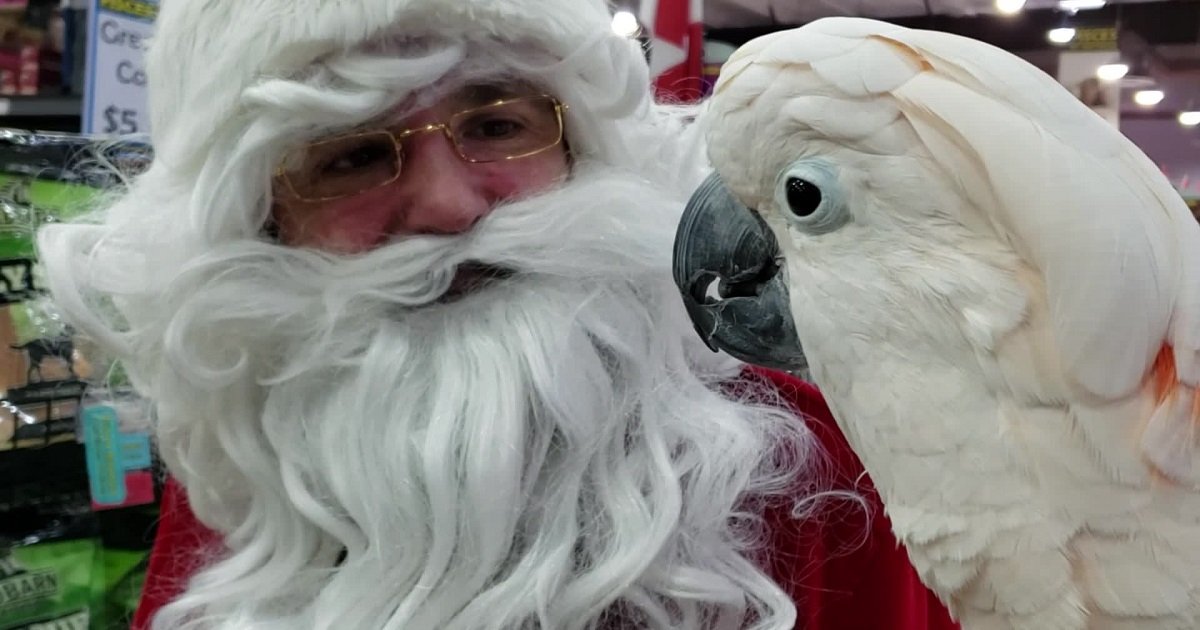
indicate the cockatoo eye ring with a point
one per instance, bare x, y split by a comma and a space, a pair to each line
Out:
803, 197
809, 195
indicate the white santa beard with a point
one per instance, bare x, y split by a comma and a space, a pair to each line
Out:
533, 453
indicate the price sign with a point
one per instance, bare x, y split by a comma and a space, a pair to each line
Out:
115, 94
1096, 38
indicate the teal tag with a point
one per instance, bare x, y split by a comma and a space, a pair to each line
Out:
135, 451
104, 451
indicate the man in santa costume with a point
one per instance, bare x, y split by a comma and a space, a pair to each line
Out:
398, 284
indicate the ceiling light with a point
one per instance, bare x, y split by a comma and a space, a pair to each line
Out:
1061, 35
625, 24
1009, 7
1112, 71
1189, 119
1079, 5
1148, 98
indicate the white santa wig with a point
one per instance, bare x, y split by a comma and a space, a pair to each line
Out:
555, 451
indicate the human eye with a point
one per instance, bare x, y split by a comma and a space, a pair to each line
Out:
350, 156
493, 126
504, 130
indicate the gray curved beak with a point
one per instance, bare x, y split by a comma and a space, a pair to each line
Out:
729, 271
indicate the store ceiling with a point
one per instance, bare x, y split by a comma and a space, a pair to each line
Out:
1160, 38
723, 14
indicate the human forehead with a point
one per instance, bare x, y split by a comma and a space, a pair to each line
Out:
470, 96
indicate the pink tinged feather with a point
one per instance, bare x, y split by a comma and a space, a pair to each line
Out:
1169, 438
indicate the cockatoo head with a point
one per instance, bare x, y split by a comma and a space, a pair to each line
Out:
824, 197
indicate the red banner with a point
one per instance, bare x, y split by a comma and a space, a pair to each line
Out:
676, 34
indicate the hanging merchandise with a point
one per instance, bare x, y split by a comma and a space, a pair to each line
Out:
49, 544
40, 371
116, 438
77, 495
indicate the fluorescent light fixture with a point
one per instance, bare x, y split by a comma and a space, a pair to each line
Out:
1009, 7
1112, 71
1148, 98
625, 24
1062, 35
1189, 119
1079, 5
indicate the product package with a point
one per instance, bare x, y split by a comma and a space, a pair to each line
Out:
77, 480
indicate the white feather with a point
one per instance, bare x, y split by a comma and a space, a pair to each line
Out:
1008, 329
868, 68
1108, 261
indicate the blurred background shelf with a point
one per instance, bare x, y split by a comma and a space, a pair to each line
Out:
42, 112
38, 106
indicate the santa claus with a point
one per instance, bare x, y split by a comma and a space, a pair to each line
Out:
398, 284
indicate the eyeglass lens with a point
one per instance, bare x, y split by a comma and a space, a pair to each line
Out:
353, 163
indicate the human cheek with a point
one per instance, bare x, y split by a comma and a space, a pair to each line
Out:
521, 179
348, 225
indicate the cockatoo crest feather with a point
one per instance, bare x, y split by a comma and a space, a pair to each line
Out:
1115, 246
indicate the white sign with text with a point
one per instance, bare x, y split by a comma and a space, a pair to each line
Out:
115, 94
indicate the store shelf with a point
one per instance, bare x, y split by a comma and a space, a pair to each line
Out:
23, 106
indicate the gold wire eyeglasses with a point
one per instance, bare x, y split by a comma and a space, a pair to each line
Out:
346, 165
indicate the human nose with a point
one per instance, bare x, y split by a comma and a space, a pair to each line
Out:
437, 193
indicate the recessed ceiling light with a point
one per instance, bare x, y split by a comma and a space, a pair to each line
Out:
1148, 98
1061, 35
1112, 71
625, 24
1079, 5
1009, 7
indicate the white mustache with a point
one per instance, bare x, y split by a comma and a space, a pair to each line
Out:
569, 231
571, 234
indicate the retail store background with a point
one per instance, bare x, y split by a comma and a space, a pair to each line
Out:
66, 556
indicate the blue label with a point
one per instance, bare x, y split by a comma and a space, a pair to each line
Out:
104, 450
135, 451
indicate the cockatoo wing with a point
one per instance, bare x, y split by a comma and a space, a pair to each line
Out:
1075, 197
1116, 246
1110, 235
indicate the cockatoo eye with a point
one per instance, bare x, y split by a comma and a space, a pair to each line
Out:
809, 195
803, 197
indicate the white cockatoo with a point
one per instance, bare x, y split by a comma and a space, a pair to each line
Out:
999, 295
